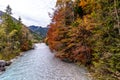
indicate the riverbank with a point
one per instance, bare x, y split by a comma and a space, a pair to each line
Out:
5, 64
41, 64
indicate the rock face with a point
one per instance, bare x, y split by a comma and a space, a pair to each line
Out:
3, 64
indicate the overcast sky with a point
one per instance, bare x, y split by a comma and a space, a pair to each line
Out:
32, 12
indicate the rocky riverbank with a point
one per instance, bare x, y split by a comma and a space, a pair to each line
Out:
41, 64
4, 64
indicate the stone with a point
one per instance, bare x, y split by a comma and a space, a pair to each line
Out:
8, 63
2, 63
2, 69
67, 60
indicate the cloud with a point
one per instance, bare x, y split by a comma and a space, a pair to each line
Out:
32, 12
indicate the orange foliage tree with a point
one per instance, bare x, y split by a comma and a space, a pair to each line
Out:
87, 31
67, 36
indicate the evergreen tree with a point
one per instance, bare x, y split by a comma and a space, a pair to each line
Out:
14, 36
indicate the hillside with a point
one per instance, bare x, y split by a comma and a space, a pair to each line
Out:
40, 31
14, 36
1, 13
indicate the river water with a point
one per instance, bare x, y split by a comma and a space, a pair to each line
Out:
40, 64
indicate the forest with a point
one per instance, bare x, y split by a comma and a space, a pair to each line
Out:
87, 32
14, 36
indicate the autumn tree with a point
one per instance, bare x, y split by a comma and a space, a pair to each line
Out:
87, 32
13, 36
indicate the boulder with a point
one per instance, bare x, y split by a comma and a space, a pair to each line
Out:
2, 69
12, 60
2, 63
67, 60
8, 63
21, 54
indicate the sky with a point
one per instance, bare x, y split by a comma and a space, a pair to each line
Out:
32, 12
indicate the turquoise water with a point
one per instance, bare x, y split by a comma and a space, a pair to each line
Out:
40, 64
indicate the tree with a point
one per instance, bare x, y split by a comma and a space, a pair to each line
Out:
13, 36
8, 10
91, 38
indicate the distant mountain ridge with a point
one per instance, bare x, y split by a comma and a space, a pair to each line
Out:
39, 30
2, 13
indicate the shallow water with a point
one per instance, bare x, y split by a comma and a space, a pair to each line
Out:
40, 64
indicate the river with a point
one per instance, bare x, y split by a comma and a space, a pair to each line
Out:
40, 64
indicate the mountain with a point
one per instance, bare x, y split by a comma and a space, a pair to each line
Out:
1, 13
39, 30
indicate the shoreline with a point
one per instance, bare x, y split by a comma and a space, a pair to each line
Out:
5, 64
